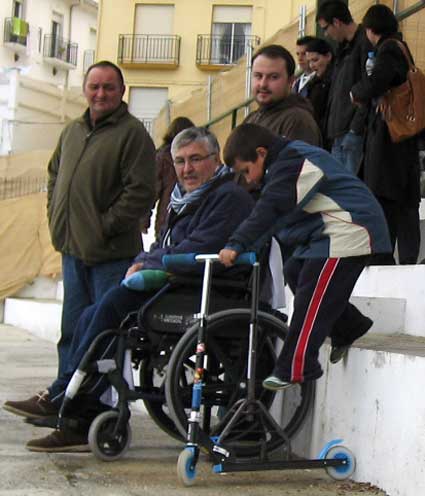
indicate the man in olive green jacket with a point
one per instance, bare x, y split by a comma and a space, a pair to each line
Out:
101, 183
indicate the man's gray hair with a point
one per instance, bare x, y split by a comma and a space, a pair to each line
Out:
195, 135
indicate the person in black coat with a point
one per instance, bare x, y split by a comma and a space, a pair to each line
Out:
391, 170
346, 122
320, 57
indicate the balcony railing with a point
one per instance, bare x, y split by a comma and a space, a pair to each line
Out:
59, 51
141, 50
216, 50
88, 59
148, 123
15, 33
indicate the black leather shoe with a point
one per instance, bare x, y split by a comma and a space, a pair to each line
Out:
338, 353
50, 422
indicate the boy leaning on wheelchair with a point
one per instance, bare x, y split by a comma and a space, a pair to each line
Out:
327, 217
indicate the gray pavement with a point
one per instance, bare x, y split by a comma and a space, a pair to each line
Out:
149, 468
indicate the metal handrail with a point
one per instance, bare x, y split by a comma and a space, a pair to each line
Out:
233, 112
404, 14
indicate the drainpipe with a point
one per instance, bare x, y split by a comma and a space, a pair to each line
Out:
66, 84
209, 97
395, 6
248, 77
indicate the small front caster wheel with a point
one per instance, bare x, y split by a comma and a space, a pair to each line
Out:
103, 443
343, 471
186, 467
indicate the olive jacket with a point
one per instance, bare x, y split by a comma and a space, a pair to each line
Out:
101, 182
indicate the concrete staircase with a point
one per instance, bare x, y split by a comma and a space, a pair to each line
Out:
37, 308
373, 399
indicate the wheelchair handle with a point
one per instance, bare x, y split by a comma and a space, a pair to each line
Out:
169, 261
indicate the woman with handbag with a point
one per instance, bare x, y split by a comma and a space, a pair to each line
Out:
390, 169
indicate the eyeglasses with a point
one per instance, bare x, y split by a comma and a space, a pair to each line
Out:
192, 160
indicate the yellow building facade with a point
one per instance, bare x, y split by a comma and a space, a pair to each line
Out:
189, 57
168, 49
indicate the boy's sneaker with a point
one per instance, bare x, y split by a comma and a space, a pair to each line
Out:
60, 441
35, 407
338, 353
273, 383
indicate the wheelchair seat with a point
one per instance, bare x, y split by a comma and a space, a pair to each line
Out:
173, 311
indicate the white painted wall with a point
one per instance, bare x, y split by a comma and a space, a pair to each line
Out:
374, 402
39, 16
35, 122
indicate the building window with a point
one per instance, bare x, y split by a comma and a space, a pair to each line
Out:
152, 41
145, 104
231, 30
154, 19
18, 9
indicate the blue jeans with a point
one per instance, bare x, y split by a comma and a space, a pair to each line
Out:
83, 285
108, 313
348, 150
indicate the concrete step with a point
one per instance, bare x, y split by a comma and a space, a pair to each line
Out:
373, 400
42, 288
41, 317
405, 282
388, 314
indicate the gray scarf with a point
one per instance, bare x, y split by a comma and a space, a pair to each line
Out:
180, 199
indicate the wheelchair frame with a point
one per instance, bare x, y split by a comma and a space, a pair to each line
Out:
110, 433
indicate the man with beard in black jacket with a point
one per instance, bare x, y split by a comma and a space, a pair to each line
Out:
346, 123
280, 111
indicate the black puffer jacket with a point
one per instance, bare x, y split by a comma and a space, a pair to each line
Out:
318, 94
348, 70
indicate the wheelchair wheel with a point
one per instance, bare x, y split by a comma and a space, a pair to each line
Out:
103, 443
153, 378
225, 380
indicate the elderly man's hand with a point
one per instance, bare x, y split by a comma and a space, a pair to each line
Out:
134, 268
227, 257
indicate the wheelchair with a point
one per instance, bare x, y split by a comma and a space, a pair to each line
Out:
159, 341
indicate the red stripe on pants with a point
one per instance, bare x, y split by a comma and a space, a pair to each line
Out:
297, 373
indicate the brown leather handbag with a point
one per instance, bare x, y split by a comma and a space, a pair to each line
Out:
403, 107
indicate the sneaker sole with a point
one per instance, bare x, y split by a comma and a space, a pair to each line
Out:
80, 448
340, 357
22, 413
270, 387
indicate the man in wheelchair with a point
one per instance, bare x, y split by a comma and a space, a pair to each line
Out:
206, 207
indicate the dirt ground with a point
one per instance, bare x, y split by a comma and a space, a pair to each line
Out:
149, 468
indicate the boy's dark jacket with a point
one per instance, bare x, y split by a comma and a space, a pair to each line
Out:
309, 202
